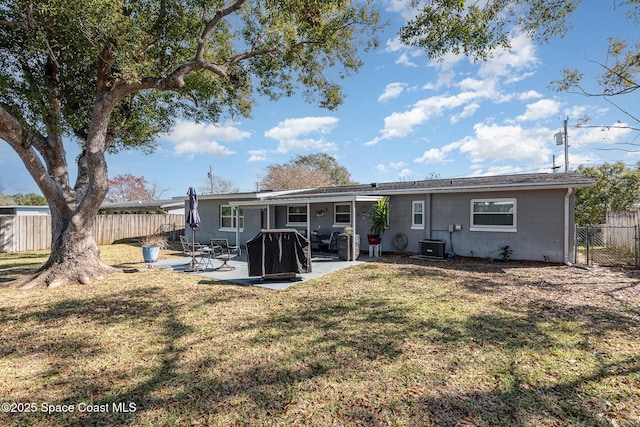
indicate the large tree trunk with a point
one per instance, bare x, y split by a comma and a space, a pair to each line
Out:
75, 256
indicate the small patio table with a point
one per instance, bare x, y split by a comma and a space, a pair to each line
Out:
211, 253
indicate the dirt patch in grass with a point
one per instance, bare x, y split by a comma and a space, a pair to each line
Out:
394, 342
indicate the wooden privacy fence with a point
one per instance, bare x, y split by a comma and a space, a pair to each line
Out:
620, 226
30, 233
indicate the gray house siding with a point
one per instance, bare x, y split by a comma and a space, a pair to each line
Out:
210, 223
321, 217
539, 220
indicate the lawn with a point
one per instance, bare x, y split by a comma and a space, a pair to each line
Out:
399, 342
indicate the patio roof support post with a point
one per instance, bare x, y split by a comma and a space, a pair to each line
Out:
353, 241
268, 217
237, 226
309, 222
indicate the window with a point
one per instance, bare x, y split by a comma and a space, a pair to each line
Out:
493, 215
417, 215
342, 214
228, 217
297, 214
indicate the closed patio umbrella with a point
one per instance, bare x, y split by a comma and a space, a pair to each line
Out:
193, 219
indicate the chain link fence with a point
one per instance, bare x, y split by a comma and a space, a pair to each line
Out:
607, 245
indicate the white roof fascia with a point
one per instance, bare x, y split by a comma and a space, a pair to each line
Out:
252, 196
474, 189
304, 200
478, 189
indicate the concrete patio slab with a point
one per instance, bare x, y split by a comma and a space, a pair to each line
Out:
237, 270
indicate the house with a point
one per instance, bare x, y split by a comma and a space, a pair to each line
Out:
24, 210
169, 206
531, 213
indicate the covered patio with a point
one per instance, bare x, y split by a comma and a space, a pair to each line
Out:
237, 271
315, 217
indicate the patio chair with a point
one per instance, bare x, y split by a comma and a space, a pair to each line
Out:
191, 249
226, 247
332, 242
221, 250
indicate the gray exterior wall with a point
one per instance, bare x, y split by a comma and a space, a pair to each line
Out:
539, 236
540, 224
210, 223
324, 223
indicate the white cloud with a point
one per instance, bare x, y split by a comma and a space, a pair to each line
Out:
402, 7
448, 62
403, 59
395, 45
437, 155
307, 144
257, 156
381, 168
530, 94
405, 174
494, 142
294, 128
609, 134
467, 111
521, 56
496, 170
401, 124
540, 110
433, 155
293, 134
197, 138
397, 165
391, 91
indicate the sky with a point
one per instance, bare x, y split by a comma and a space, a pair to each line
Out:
406, 117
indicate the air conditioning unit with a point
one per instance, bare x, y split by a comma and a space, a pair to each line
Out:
432, 249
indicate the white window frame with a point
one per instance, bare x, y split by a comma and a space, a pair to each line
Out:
336, 213
414, 212
497, 228
233, 218
297, 223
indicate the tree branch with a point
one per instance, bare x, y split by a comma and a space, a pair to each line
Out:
220, 14
23, 141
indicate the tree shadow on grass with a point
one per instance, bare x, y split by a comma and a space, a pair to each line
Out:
520, 404
189, 378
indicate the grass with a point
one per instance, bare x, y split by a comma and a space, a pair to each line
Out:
397, 342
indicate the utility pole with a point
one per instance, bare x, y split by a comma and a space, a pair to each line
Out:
562, 137
210, 174
566, 146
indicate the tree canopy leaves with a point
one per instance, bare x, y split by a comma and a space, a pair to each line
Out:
115, 74
617, 189
477, 28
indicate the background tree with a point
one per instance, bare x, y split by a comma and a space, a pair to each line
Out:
128, 188
617, 189
338, 175
29, 199
292, 176
6, 200
114, 75
217, 185
313, 170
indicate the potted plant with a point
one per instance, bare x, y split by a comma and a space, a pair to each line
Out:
379, 220
151, 246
